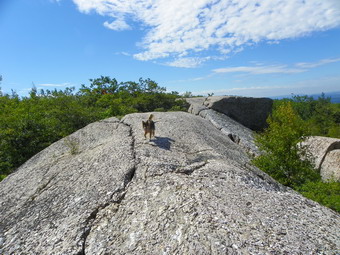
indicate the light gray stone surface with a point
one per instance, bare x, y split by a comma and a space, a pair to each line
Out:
47, 205
196, 105
191, 190
330, 168
326, 153
235, 131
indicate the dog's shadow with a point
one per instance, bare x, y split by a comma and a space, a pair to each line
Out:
163, 142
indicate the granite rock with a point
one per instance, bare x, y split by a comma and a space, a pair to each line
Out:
326, 154
249, 111
190, 190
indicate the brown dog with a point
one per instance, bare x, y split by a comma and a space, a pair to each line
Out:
149, 127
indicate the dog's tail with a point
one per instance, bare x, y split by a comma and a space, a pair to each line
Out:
151, 117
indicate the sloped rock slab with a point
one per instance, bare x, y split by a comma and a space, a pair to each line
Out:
47, 205
194, 192
217, 214
221, 116
236, 132
190, 190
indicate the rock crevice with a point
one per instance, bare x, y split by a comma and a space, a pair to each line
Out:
117, 196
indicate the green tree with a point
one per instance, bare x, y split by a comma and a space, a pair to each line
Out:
283, 158
326, 193
321, 116
30, 124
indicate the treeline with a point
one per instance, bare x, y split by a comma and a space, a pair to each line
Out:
30, 124
320, 117
285, 159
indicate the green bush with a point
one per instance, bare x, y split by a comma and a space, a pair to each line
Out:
327, 194
282, 156
2, 176
286, 160
321, 116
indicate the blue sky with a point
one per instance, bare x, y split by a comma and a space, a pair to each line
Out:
225, 47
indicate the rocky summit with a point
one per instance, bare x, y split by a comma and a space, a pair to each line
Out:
249, 111
190, 190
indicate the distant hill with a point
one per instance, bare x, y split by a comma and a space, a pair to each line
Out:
335, 96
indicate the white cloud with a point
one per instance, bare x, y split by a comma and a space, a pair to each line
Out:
240, 90
319, 63
123, 53
118, 24
180, 28
189, 62
305, 87
54, 84
260, 69
281, 69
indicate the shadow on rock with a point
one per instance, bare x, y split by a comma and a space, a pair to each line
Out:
163, 142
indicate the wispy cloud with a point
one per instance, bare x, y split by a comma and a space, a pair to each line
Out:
118, 24
238, 90
184, 28
328, 84
191, 79
54, 84
276, 69
259, 69
318, 63
189, 62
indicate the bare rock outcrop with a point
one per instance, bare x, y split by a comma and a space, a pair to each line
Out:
191, 190
48, 204
326, 153
234, 130
249, 111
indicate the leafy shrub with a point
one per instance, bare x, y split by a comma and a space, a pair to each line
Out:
327, 194
287, 161
321, 116
282, 155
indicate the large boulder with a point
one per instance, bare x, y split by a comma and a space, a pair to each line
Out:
196, 105
326, 154
249, 111
191, 190
234, 130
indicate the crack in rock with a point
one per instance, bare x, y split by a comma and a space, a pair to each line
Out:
116, 198
43, 187
189, 169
